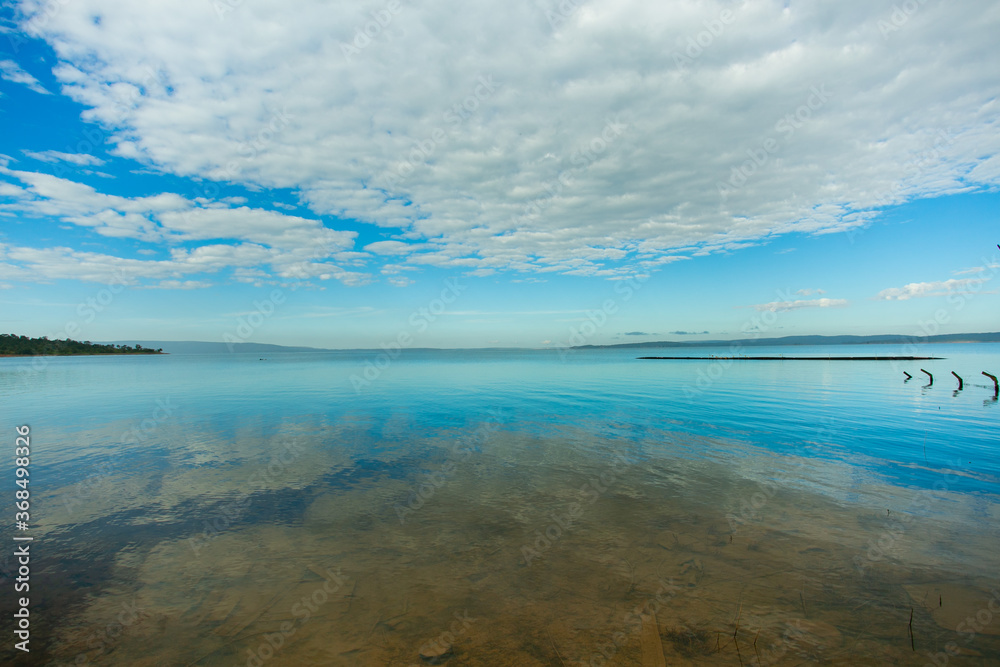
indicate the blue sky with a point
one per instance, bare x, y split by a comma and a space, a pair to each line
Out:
533, 174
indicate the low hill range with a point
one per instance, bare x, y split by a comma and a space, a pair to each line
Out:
885, 339
208, 347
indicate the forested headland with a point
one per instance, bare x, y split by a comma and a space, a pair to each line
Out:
12, 345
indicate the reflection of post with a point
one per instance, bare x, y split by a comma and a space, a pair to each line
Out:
960, 383
996, 387
928, 375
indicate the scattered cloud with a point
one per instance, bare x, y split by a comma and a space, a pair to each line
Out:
975, 270
689, 333
400, 281
809, 292
180, 284
938, 288
11, 71
330, 311
81, 159
639, 333
389, 248
785, 306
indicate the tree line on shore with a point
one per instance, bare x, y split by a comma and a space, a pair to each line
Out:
14, 345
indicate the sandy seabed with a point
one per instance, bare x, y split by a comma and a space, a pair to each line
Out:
528, 551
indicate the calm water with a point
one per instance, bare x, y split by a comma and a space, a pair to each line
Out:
510, 508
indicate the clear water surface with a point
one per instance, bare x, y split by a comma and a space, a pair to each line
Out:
504, 507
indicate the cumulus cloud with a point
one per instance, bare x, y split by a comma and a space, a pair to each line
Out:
784, 306
294, 248
11, 71
496, 139
938, 288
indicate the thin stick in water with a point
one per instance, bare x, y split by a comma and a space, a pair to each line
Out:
912, 644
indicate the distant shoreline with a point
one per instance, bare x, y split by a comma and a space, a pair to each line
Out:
793, 341
13, 345
801, 358
207, 347
90, 354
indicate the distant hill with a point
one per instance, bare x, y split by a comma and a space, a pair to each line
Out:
819, 340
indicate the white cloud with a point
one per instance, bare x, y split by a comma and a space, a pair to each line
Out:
491, 134
389, 248
294, 248
977, 269
809, 292
180, 284
784, 306
12, 72
938, 288
81, 159
400, 281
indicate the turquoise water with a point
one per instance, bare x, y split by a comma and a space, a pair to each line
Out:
768, 512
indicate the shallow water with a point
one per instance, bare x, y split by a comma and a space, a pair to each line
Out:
521, 507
